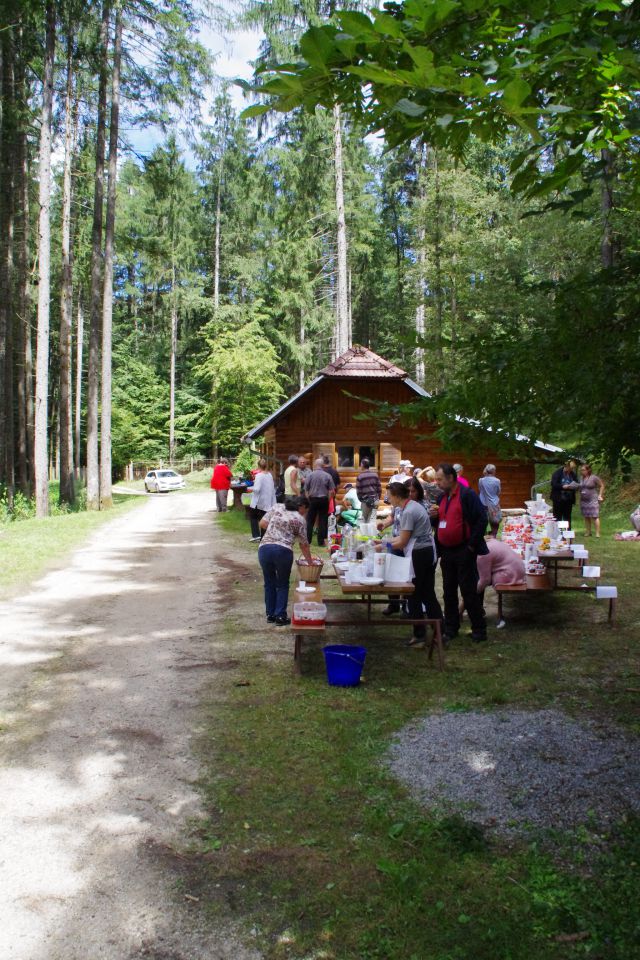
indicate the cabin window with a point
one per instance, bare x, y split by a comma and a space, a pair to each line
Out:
346, 457
367, 453
352, 456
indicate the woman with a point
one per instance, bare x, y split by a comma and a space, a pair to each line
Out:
591, 496
283, 524
416, 537
490, 489
263, 497
220, 483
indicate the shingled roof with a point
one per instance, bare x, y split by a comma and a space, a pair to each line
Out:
360, 362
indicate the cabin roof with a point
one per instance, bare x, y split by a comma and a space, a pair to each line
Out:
363, 364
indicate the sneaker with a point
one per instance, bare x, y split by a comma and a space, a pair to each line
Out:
478, 637
390, 609
416, 643
271, 619
283, 621
254, 539
447, 638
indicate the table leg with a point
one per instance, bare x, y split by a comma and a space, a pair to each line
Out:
436, 641
500, 617
612, 610
297, 655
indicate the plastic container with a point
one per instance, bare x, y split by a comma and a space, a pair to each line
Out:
308, 613
344, 664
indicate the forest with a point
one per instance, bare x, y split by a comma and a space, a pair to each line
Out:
156, 306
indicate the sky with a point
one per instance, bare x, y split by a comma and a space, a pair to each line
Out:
233, 56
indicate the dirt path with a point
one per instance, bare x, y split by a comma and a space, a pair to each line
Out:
98, 705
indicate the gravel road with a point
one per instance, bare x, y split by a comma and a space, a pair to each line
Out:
98, 707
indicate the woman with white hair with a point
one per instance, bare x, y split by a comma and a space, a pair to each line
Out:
490, 489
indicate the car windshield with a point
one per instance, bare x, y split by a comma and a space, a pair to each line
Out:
167, 473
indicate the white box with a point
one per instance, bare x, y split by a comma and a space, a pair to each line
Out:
591, 571
606, 593
580, 554
563, 524
569, 535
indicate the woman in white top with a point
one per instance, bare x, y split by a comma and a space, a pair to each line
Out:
263, 498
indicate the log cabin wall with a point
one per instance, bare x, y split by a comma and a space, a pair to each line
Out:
324, 416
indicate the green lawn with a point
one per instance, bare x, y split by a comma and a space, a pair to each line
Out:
30, 547
315, 847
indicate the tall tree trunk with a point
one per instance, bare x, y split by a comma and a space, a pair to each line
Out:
302, 345
44, 272
78, 416
421, 280
172, 364
21, 193
606, 204
439, 293
67, 489
106, 494
216, 250
343, 320
7, 210
93, 374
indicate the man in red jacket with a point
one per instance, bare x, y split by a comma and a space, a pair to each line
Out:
463, 521
221, 482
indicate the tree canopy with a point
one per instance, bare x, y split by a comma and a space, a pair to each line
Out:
566, 72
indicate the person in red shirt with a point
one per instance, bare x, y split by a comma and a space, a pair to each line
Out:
221, 482
461, 527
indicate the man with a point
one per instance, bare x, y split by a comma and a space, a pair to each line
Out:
333, 473
564, 483
291, 479
335, 476
318, 489
405, 472
304, 471
462, 522
221, 482
369, 490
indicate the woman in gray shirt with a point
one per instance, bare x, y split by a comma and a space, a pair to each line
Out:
415, 526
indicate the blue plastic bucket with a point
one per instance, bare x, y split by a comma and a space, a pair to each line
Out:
344, 664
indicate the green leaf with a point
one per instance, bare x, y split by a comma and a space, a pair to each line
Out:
387, 25
515, 93
316, 46
409, 108
257, 110
356, 24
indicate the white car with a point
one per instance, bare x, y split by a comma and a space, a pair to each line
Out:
161, 481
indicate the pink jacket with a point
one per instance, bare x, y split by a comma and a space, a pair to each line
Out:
500, 565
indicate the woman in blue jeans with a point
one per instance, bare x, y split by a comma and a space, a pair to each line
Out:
283, 524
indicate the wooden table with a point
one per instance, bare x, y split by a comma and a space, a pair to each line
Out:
364, 595
549, 581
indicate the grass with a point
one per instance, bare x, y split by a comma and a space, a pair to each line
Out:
313, 845
30, 547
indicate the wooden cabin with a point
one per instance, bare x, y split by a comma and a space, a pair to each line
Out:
320, 420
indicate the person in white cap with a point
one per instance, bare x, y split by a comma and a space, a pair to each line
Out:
405, 472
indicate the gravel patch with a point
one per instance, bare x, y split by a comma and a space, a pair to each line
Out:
512, 771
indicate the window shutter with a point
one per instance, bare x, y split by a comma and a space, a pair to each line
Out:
389, 457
